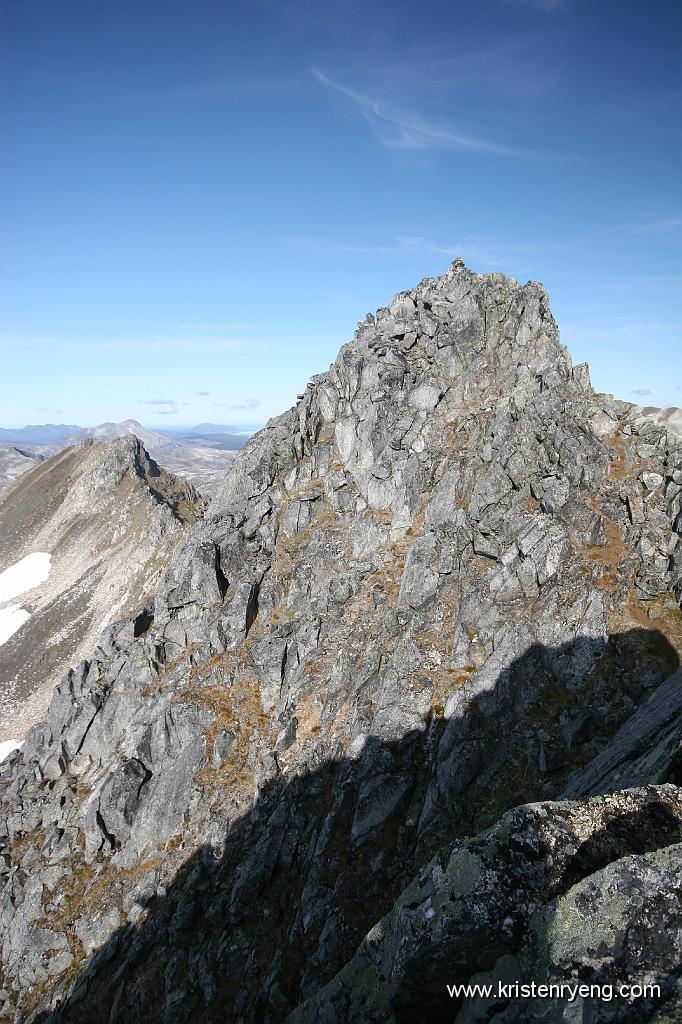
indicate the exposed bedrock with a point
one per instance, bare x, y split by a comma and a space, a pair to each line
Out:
400, 713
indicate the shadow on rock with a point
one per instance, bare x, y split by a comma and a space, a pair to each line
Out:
257, 922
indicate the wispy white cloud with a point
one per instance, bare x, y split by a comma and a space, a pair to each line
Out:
641, 392
482, 251
402, 130
652, 329
664, 226
169, 345
627, 283
245, 406
209, 328
161, 406
153, 345
506, 69
671, 224
202, 394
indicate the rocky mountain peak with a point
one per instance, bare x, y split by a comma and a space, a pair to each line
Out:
445, 584
469, 331
110, 431
126, 457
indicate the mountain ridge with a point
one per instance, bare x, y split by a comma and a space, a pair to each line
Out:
108, 517
197, 457
37, 433
67, 434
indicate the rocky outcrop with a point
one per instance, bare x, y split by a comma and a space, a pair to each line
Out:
670, 418
434, 590
647, 749
109, 518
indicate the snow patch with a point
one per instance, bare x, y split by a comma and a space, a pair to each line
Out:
24, 575
27, 573
11, 619
7, 746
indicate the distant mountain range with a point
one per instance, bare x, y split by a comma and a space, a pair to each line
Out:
42, 433
223, 436
110, 431
214, 438
209, 428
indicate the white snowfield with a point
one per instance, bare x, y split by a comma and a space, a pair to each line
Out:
7, 746
11, 619
27, 573
24, 575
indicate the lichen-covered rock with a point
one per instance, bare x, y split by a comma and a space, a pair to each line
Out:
434, 590
556, 893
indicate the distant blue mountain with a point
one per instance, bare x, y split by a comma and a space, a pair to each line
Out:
209, 435
219, 428
42, 433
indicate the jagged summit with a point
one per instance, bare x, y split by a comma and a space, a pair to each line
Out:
487, 319
460, 340
109, 431
436, 589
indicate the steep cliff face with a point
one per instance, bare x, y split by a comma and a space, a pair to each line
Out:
106, 518
434, 590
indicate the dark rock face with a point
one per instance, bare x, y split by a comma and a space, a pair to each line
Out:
438, 588
555, 893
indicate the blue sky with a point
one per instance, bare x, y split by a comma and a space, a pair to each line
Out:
200, 200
